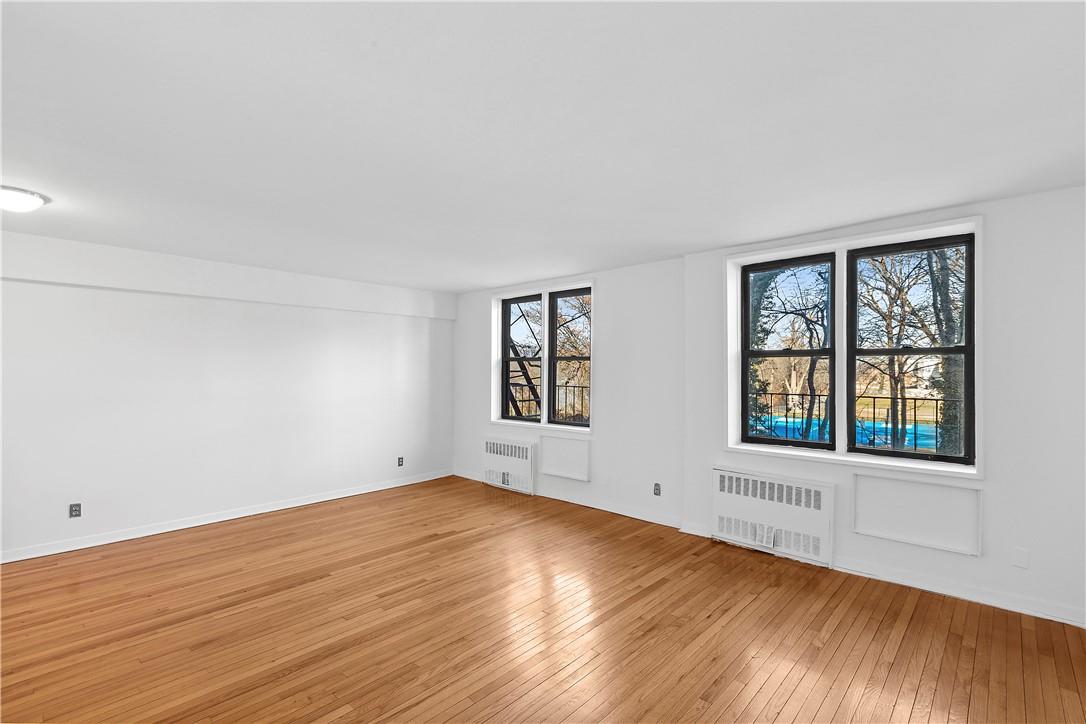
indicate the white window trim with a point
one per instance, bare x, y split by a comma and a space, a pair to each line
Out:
733, 264
544, 290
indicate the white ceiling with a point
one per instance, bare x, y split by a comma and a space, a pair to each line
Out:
459, 146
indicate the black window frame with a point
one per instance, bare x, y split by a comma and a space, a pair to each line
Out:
554, 359
967, 349
830, 351
507, 359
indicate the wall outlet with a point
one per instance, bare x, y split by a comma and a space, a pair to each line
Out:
75, 510
656, 488
399, 462
1020, 557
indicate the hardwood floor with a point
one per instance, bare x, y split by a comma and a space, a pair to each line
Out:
453, 601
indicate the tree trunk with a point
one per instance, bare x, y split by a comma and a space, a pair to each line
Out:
951, 376
808, 420
757, 409
897, 404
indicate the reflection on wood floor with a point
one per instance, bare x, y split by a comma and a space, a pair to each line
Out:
450, 600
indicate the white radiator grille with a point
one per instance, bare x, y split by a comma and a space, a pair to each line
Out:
509, 464
789, 517
801, 496
800, 544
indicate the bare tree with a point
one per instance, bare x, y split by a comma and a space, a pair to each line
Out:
910, 301
790, 310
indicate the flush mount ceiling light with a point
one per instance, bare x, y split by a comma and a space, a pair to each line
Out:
21, 200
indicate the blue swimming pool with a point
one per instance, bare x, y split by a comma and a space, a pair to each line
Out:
868, 434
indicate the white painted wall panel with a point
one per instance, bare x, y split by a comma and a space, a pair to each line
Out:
932, 515
565, 457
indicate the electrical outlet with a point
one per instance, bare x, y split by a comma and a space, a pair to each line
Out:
399, 462
656, 488
75, 510
1020, 557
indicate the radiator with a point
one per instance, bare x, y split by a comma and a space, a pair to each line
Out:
509, 464
788, 517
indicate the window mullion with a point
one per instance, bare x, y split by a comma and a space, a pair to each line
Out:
843, 336
548, 358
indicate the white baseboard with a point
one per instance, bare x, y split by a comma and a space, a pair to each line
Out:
114, 536
649, 516
1029, 605
1009, 601
640, 514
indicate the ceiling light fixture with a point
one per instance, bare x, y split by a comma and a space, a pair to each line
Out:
21, 200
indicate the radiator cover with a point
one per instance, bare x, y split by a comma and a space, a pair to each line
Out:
509, 464
788, 517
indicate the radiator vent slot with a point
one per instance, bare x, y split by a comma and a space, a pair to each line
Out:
505, 449
801, 496
509, 464
803, 545
787, 517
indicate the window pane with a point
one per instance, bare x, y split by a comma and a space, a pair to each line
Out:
523, 388
911, 299
790, 307
789, 398
573, 331
525, 328
571, 391
911, 403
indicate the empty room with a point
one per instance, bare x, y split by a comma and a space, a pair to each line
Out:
543, 362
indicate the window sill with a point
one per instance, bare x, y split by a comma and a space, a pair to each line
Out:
859, 460
548, 427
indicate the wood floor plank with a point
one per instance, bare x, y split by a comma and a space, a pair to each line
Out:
939, 656
853, 674
884, 684
1072, 702
1076, 649
502, 608
1050, 684
912, 668
876, 662
794, 665
1031, 667
958, 711
982, 668
1016, 687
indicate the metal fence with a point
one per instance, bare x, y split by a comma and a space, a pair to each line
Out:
572, 402
917, 424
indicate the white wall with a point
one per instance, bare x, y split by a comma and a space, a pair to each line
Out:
636, 395
1032, 489
138, 384
1031, 267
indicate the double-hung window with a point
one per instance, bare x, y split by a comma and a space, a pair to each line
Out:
570, 334
909, 378
522, 361
788, 360
547, 377
910, 350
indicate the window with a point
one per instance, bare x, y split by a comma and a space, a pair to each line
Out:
907, 383
788, 358
910, 350
570, 356
563, 357
522, 347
